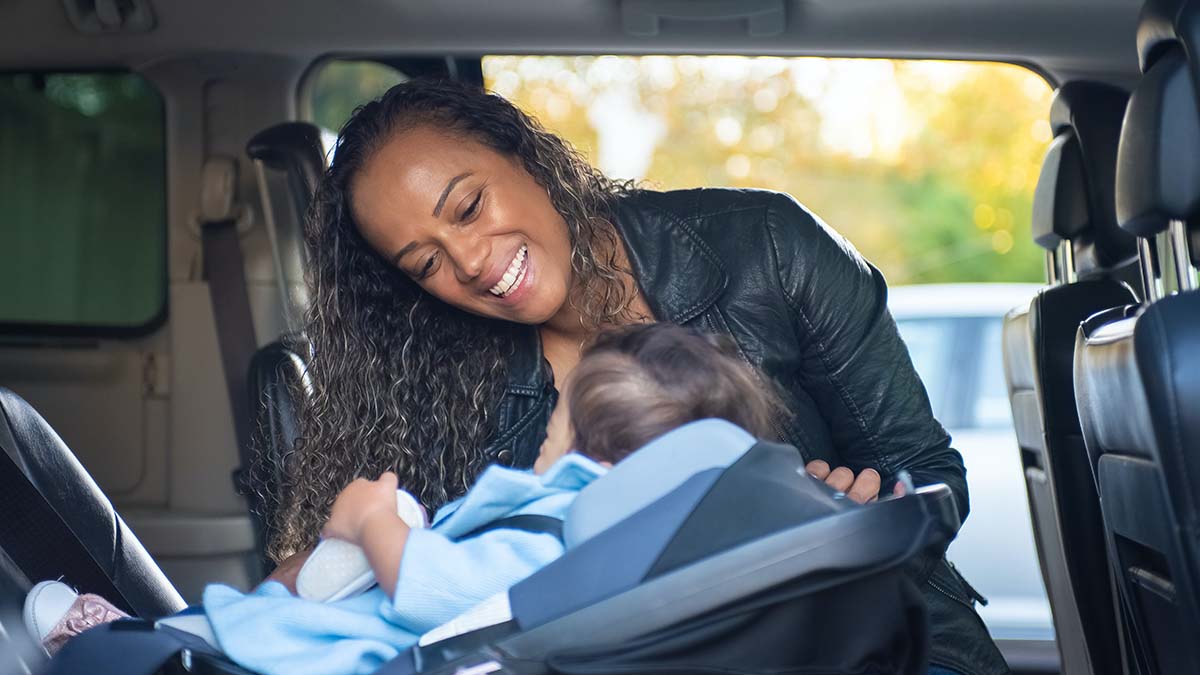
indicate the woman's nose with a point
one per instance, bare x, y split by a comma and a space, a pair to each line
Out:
469, 255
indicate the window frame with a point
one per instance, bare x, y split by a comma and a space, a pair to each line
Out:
20, 332
417, 65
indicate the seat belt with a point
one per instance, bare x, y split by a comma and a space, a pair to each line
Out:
35, 538
225, 272
529, 522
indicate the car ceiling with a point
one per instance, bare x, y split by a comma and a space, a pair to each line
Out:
1066, 39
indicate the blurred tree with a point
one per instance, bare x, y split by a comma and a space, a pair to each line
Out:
928, 167
341, 86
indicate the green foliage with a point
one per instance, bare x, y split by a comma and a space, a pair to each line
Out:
83, 185
342, 86
927, 167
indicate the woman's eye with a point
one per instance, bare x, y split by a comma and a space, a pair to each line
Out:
427, 269
474, 207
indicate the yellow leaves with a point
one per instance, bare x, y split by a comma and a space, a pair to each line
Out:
985, 217
887, 151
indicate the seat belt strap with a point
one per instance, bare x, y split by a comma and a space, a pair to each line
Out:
225, 272
529, 523
36, 538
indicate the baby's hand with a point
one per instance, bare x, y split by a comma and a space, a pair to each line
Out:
357, 504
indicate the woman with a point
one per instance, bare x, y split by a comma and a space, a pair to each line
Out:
460, 258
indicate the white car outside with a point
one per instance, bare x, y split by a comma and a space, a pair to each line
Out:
953, 334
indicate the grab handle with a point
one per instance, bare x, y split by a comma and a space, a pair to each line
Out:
643, 18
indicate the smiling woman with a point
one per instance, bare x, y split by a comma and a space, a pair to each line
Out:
463, 256
482, 229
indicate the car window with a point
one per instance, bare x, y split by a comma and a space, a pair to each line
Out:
992, 409
339, 86
83, 189
930, 344
862, 142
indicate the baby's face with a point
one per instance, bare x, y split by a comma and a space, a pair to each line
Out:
559, 437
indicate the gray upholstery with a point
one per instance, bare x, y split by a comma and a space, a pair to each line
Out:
1073, 203
1138, 386
647, 474
1137, 370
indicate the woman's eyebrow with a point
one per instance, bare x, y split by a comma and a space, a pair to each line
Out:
437, 210
403, 252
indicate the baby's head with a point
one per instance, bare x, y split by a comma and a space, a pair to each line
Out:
635, 384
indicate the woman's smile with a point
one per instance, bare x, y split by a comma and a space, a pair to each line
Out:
495, 245
513, 274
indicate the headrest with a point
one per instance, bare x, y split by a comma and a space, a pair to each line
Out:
1158, 162
646, 475
294, 148
1075, 192
1163, 23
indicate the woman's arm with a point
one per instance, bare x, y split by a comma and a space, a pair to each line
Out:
854, 364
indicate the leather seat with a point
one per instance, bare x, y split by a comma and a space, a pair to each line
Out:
278, 371
1137, 369
87, 544
278, 374
1073, 207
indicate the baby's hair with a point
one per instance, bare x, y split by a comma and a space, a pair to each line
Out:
636, 383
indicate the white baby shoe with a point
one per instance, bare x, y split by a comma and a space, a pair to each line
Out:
337, 569
45, 605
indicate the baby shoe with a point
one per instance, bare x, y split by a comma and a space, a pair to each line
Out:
54, 613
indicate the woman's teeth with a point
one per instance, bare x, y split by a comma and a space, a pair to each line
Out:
512, 276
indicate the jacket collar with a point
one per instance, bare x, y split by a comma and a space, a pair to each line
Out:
679, 275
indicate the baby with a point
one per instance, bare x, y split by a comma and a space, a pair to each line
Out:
631, 386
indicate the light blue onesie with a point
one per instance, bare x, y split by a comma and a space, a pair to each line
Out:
274, 633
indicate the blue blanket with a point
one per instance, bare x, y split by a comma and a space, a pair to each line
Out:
275, 633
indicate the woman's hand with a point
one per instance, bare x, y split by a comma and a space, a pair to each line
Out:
357, 504
861, 489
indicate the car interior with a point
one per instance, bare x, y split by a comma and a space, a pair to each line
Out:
127, 443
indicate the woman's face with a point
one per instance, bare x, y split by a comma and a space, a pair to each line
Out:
468, 224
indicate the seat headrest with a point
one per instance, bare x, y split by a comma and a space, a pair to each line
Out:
1163, 23
1075, 192
1158, 162
650, 473
296, 149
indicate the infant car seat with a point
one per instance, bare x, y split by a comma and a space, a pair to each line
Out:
706, 551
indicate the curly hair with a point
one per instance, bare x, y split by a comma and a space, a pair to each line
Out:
402, 381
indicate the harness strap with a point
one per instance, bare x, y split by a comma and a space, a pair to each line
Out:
528, 523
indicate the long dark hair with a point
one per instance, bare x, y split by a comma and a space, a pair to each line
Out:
402, 381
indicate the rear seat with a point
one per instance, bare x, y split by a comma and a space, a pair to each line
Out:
87, 544
278, 371
1074, 219
1137, 369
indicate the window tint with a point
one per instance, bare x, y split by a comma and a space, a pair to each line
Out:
930, 344
82, 189
992, 408
338, 87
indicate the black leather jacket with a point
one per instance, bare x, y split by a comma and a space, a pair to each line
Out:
806, 309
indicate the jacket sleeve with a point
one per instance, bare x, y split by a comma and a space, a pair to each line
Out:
854, 364
440, 579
